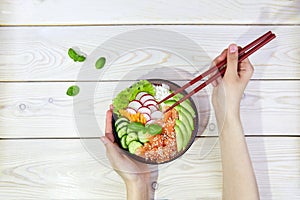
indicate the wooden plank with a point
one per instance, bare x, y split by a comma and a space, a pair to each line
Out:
60, 169
145, 12
44, 110
40, 53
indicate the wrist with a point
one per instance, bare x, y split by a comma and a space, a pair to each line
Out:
138, 189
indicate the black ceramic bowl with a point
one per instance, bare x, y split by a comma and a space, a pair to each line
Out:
173, 87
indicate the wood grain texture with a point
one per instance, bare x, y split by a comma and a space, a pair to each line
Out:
62, 169
39, 12
44, 110
40, 53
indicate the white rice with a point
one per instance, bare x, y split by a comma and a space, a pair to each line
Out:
161, 92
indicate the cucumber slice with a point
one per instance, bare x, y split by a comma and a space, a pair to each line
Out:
123, 142
131, 137
122, 119
133, 146
121, 125
143, 137
122, 132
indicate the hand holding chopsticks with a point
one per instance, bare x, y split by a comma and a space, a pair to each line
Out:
221, 68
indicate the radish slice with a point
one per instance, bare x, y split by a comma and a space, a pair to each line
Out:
131, 110
144, 110
147, 117
157, 115
146, 97
150, 102
135, 104
150, 121
152, 107
139, 95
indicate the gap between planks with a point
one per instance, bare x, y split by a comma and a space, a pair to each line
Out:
145, 24
105, 81
92, 138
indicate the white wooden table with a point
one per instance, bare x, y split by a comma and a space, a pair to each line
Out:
41, 156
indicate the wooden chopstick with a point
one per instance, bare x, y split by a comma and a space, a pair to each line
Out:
219, 65
243, 54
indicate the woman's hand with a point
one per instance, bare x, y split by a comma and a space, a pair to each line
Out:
239, 180
137, 176
228, 91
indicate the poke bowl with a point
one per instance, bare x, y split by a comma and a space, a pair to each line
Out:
144, 131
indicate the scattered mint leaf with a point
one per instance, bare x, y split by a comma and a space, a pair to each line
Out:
75, 56
100, 63
73, 90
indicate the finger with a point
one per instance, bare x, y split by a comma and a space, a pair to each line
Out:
232, 62
247, 69
215, 62
112, 151
108, 126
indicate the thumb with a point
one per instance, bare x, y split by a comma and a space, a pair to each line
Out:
232, 61
112, 151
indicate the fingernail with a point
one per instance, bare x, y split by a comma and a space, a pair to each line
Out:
233, 48
103, 139
111, 107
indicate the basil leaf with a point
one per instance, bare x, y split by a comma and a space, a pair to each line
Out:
72, 54
73, 90
136, 126
75, 56
80, 58
154, 129
100, 63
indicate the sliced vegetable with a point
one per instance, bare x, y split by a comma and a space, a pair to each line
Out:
143, 137
73, 90
135, 104
179, 139
121, 101
75, 56
146, 97
123, 142
144, 110
122, 132
131, 137
121, 119
100, 63
139, 95
133, 146
121, 125
138, 117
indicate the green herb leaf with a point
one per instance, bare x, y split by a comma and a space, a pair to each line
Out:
100, 63
136, 126
154, 129
73, 90
75, 56
80, 58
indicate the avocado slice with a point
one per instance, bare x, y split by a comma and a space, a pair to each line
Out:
184, 112
179, 96
187, 106
184, 132
169, 102
184, 105
179, 139
187, 124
